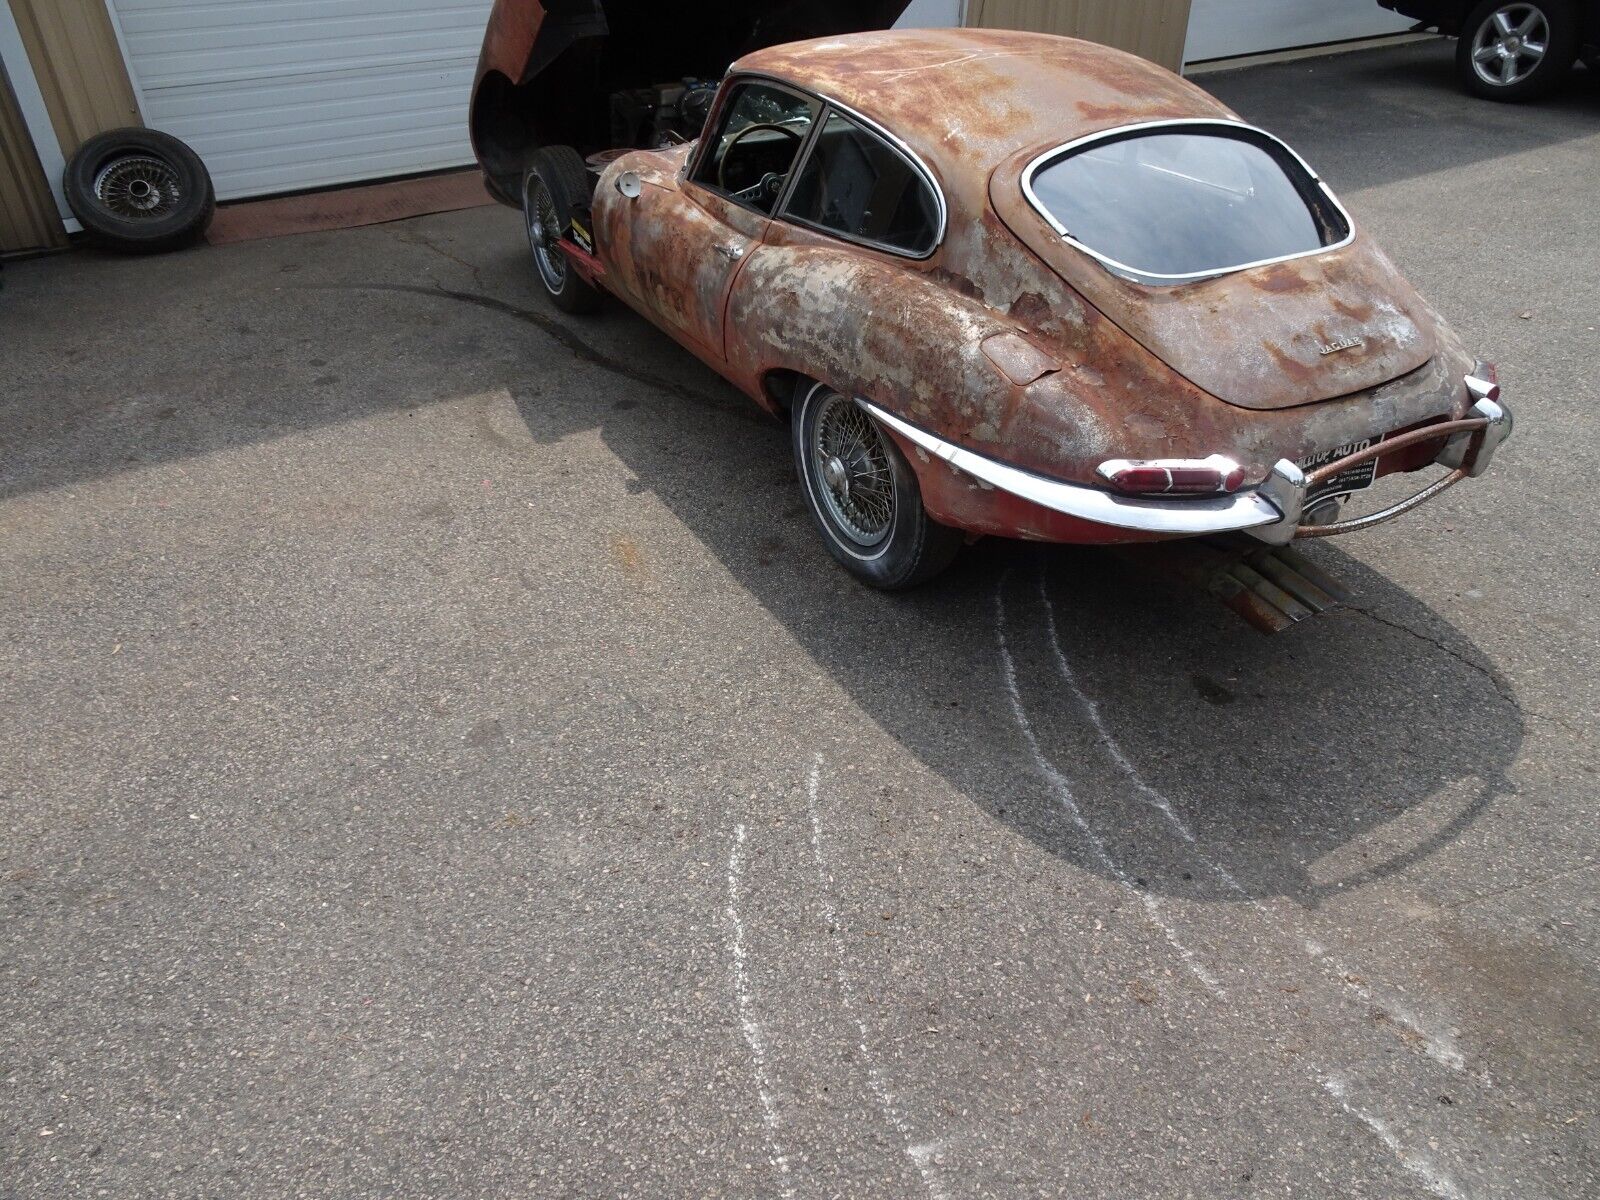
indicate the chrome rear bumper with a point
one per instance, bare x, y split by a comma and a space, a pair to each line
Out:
1272, 512
1473, 441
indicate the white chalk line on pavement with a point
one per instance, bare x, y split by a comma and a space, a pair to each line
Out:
1435, 1044
1418, 1164
1062, 791
1425, 1171
753, 1035
924, 1154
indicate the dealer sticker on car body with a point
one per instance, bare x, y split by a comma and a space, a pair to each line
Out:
1352, 479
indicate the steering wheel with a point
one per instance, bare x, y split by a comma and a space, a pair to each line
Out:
768, 180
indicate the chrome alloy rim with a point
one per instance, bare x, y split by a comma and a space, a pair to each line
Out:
850, 460
138, 188
544, 231
1510, 45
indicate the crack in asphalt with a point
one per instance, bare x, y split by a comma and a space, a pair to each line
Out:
415, 237
1500, 689
1437, 1044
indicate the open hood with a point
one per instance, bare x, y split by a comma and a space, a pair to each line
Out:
647, 41
579, 72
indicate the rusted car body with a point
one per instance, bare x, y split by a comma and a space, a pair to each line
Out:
1036, 387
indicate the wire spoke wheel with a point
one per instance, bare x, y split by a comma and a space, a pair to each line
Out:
138, 188
1510, 45
851, 463
544, 232
139, 191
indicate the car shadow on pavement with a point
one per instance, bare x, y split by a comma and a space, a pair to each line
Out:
1048, 684
1036, 681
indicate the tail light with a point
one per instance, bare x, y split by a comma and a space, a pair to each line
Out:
1212, 476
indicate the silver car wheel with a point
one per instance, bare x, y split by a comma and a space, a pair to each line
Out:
544, 232
138, 188
1510, 44
851, 463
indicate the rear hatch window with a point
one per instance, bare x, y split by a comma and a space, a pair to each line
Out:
1176, 203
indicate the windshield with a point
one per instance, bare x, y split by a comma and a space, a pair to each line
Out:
1185, 203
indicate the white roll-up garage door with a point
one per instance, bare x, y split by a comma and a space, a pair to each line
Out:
279, 95
1223, 28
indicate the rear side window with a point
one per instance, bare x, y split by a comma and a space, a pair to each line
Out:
854, 183
1187, 202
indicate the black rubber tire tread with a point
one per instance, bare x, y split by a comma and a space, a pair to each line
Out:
566, 167
562, 170
186, 224
918, 549
1559, 57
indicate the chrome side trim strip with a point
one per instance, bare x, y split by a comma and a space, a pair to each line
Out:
1221, 514
1152, 277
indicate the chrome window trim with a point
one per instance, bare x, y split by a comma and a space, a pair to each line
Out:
1194, 515
901, 150
696, 160
1203, 123
692, 167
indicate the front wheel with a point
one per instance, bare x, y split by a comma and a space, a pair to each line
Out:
1515, 51
863, 494
552, 191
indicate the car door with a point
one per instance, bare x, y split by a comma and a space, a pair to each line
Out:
687, 238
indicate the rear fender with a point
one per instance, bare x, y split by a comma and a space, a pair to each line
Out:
877, 329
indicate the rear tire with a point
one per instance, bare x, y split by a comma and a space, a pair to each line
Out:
554, 190
863, 494
1516, 49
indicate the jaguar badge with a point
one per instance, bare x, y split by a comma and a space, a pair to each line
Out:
1342, 344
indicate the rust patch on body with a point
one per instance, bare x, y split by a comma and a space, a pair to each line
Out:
1278, 279
1030, 308
1355, 310
1288, 363
959, 284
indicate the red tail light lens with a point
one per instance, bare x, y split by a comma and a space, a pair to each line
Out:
1212, 476
1138, 478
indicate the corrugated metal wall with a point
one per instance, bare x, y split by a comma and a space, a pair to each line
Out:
308, 93
75, 56
1153, 29
28, 219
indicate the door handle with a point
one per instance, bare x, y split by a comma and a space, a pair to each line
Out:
731, 253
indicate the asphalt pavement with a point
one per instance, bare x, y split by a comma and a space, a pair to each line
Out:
440, 760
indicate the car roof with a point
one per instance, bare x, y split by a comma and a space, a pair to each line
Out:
972, 98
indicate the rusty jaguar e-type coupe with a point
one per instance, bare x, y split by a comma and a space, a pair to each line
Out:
1001, 283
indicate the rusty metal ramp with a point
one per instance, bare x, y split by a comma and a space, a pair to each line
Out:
1271, 587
